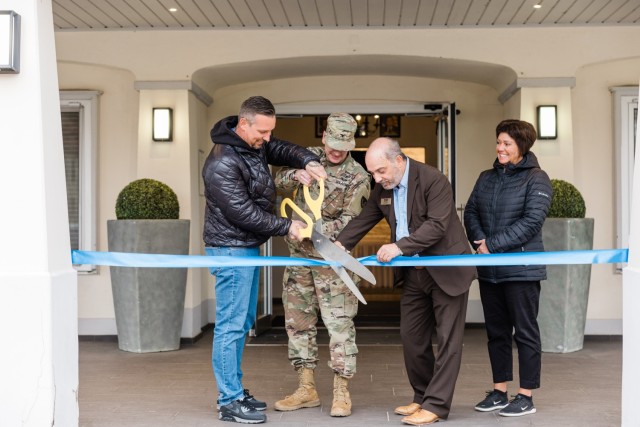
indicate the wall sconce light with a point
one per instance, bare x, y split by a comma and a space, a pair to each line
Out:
547, 122
162, 124
10, 42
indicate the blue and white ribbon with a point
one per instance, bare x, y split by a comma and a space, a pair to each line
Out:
121, 259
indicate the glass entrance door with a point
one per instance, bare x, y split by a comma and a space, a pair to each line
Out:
447, 143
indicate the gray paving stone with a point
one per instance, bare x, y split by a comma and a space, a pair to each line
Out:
177, 388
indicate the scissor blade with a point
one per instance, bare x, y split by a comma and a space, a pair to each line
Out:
342, 273
331, 252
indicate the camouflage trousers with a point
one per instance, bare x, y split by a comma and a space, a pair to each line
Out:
306, 291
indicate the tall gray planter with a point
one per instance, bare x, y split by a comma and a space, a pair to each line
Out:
565, 293
149, 302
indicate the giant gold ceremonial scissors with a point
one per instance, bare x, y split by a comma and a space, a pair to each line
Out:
325, 247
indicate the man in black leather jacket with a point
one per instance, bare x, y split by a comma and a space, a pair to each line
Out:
239, 217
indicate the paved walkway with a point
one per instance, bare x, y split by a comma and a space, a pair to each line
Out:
177, 388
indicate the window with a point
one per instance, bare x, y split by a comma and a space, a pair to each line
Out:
79, 114
625, 107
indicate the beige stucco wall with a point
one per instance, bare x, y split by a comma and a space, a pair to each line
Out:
177, 55
593, 165
583, 153
117, 159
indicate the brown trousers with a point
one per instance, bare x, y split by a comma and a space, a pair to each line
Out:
426, 309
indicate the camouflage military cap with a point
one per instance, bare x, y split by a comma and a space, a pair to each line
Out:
340, 131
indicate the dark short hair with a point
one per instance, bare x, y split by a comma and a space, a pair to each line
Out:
523, 133
256, 105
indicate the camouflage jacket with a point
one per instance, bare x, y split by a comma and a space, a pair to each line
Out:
347, 189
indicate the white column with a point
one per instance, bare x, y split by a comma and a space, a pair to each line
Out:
631, 314
38, 286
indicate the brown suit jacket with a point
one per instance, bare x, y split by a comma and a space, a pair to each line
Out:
434, 227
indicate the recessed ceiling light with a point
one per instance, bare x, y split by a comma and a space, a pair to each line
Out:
173, 9
537, 6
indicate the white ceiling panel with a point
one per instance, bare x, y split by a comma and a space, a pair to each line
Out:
121, 20
63, 18
633, 17
213, 15
361, 19
424, 17
81, 14
193, 11
609, 9
310, 13
527, 14
180, 18
475, 12
408, 13
442, 12
259, 13
244, 13
491, 13
135, 14
97, 15
459, 12
228, 13
89, 13
342, 13
276, 13
392, 11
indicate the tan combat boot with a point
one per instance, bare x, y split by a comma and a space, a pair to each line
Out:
305, 396
341, 399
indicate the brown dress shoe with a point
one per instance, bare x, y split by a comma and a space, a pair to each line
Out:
422, 417
408, 410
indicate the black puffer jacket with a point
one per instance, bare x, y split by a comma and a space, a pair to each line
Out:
507, 207
239, 188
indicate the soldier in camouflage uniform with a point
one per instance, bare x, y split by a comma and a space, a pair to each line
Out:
308, 290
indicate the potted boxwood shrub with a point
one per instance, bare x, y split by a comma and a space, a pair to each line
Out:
565, 293
148, 302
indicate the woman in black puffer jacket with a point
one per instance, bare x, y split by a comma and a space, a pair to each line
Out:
505, 213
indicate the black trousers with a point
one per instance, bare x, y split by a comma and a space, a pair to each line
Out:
509, 307
426, 309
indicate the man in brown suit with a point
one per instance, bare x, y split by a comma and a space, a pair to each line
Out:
417, 202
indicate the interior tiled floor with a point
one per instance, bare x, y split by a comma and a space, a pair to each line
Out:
177, 388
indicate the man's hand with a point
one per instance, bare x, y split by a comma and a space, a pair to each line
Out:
338, 244
294, 229
303, 177
315, 170
388, 252
482, 247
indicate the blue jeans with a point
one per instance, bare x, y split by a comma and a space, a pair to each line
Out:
236, 307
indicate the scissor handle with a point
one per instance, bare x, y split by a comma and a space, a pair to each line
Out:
315, 205
305, 232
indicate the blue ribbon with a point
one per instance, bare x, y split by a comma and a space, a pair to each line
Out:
122, 259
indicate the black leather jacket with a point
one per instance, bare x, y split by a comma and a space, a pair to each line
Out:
239, 187
507, 207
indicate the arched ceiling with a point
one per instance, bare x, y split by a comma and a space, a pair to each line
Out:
495, 76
